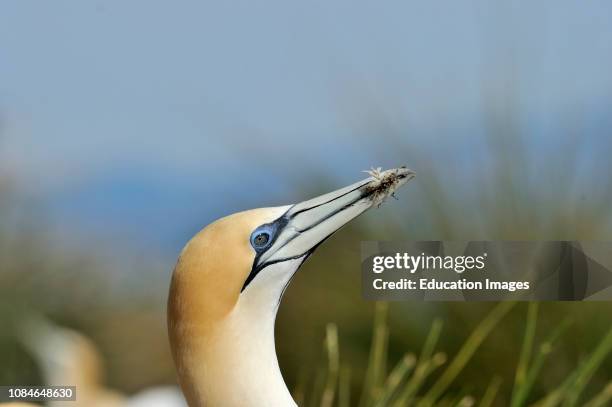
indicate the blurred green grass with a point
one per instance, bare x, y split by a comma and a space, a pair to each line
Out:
404, 384
502, 197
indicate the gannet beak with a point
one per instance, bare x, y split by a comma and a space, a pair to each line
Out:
298, 232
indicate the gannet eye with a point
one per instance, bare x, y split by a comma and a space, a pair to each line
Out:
261, 238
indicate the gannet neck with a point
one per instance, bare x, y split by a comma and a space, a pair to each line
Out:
234, 362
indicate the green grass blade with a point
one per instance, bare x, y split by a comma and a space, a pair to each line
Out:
376, 370
489, 396
555, 397
569, 385
314, 399
395, 378
525, 357
344, 388
434, 363
298, 392
466, 352
520, 398
587, 369
420, 373
466, 401
333, 362
604, 398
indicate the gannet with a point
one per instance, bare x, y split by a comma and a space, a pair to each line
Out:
67, 357
228, 283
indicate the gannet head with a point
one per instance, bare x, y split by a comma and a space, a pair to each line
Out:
229, 281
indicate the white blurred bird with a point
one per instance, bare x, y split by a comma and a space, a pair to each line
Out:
68, 358
228, 284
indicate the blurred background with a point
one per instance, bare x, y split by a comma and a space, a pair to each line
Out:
125, 127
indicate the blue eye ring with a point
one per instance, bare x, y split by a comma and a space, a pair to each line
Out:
261, 238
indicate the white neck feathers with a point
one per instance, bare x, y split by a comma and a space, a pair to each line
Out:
234, 363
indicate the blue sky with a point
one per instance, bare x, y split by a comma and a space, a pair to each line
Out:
145, 117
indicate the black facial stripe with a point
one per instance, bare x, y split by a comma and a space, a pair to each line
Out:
257, 269
326, 202
306, 256
282, 222
291, 279
333, 213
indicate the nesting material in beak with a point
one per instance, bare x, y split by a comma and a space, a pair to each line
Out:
385, 183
